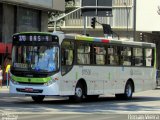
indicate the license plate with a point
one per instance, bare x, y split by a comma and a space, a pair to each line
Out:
29, 89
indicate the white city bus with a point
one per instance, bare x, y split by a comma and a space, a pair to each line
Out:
77, 66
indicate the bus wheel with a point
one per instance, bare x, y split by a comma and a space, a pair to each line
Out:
128, 90
79, 93
38, 98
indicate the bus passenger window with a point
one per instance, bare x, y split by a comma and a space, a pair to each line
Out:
100, 54
125, 56
148, 57
138, 56
113, 55
83, 54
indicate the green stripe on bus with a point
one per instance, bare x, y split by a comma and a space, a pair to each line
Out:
109, 76
84, 38
76, 75
155, 58
31, 80
42, 33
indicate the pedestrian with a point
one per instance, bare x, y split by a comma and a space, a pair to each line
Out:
1, 75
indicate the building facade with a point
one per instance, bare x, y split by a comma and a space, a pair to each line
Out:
121, 21
136, 20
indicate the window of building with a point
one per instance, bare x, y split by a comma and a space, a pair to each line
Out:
28, 20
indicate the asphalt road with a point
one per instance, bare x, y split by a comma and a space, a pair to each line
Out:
105, 108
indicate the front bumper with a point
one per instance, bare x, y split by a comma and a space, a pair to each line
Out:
29, 89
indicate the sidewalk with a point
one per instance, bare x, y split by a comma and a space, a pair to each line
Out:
4, 89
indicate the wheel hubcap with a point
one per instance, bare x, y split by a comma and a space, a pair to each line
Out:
79, 92
129, 90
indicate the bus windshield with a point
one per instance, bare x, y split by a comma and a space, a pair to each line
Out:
35, 58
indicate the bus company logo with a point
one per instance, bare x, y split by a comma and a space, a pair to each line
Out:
29, 80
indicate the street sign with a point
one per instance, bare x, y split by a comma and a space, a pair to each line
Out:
97, 8
8, 68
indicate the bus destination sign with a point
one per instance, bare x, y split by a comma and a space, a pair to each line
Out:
34, 38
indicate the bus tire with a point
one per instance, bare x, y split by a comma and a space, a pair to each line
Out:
38, 98
128, 90
79, 93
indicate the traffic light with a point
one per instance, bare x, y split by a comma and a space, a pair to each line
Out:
93, 22
142, 36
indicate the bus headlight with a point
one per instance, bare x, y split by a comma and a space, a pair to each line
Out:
14, 82
50, 82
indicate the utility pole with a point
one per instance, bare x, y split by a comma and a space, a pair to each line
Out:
127, 18
84, 19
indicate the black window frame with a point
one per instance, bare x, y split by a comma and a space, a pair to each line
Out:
73, 62
91, 52
106, 45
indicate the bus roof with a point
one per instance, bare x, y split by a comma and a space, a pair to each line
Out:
111, 41
93, 39
42, 33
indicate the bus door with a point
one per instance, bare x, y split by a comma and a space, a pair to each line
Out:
67, 49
